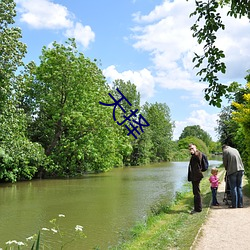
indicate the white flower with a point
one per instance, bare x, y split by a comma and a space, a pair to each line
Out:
54, 230
20, 243
61, 215
10, 242
45, 229
29, 238
78, 228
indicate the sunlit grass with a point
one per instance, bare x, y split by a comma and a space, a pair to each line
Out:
170, 226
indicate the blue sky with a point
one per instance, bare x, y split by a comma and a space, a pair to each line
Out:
148, 42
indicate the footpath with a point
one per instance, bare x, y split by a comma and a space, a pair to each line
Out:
225, 228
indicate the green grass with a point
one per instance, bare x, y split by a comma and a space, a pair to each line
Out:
170, 226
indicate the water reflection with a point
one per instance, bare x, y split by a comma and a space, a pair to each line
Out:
105, 204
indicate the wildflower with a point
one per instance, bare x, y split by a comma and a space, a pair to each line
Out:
45, 229
78, 228
20, 243
61, 215
10, 242
54, 230
29, 238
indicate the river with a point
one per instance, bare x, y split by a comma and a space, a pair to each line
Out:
105, 204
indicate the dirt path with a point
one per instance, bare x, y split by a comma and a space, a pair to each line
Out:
225, 228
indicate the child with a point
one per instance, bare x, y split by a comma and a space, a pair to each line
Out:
214, 185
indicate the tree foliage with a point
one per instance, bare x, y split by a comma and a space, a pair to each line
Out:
196, 131
184, 142
205, 28
20, 158
242, 117
129, 90
66, 117
161, 130
51, 121
233, 123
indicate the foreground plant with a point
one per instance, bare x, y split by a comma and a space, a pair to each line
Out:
48, 238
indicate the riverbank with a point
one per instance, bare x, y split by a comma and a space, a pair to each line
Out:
172, 227
175, 228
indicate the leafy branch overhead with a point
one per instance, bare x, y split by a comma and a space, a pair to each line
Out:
205, 28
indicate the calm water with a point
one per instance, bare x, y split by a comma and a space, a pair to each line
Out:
104, 204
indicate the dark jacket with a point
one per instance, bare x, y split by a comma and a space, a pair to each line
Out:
194, 168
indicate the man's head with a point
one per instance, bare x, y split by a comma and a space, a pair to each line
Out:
192, 148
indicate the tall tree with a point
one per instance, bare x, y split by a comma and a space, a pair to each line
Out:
67, 119
19, 158
242, 117
161, 130
130, 92
207, 24
12, 51
227, 127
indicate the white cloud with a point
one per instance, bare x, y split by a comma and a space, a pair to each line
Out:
83, 34
44, 14
143, 80
200, 117
165, 33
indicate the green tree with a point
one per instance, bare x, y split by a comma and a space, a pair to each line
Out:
183, 144
66, 118
129, 90
207, 25
20, 158
227, 127
196, 131
161, 130
242, 117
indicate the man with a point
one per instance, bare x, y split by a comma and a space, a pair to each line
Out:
235, 169
195, 175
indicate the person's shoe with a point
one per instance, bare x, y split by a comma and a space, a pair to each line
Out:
217, 204
194, 212
241, 206
231, 206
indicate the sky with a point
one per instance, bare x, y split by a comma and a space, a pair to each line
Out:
147, 42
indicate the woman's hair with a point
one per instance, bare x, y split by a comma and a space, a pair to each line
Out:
214, 170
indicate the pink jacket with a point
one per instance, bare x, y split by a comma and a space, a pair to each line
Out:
214, 181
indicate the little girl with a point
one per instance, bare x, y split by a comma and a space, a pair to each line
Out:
214, 185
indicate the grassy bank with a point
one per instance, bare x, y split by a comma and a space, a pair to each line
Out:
170, 227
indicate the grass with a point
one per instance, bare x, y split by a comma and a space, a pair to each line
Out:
170, 226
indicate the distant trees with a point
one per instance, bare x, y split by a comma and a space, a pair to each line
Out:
184, 142
196, 131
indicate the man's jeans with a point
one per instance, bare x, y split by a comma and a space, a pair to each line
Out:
235, 182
